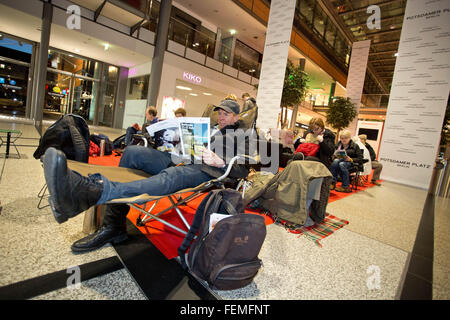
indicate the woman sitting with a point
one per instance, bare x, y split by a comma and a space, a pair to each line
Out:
347, 153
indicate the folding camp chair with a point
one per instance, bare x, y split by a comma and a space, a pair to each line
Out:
139, 203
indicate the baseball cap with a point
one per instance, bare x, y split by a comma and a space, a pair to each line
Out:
228, 106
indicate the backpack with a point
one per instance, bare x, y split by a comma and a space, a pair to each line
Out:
96, 138
227, 257
70, 134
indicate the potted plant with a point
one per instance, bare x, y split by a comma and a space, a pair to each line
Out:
340, 113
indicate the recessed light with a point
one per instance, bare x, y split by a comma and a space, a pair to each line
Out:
193, 94
106, 45
396, 54
76, 50
232, 31
207, 94
183, 88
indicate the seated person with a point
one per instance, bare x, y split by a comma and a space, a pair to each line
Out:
326, 141
180, 112
340, 165
72, 193
308, 146
376, 166
249, 102
150, 116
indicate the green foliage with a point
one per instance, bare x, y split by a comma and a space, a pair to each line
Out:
340, 113
295, 85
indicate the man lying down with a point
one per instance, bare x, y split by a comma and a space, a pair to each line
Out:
72, 193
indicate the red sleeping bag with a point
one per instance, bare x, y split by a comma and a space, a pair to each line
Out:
308, 149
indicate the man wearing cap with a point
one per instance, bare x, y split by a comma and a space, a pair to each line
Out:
72, 193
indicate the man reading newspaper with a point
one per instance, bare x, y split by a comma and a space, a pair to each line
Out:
72, 193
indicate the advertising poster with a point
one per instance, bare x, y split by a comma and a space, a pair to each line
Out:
419, 94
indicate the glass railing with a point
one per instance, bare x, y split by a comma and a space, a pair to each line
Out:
200, 42
193, 39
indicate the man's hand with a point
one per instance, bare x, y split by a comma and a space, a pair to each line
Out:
212, 159
137, 127
320, 138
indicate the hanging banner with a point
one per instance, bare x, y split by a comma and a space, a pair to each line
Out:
419, 93
276, 48
356, 76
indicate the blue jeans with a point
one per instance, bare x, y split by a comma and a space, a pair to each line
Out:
129, 135
165, 178
340, 167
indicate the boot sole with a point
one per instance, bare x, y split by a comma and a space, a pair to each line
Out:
50, 165
115, 240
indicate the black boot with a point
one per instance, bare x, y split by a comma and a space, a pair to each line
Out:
113, 230
70, 192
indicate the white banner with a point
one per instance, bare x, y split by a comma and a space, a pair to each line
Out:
356, 76
276, 48
419, 94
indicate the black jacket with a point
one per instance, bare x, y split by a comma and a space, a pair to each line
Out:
353, 151
70, 134
373, 155
227, 143
326, 147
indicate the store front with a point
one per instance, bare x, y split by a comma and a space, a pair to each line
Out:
195, 97
74, 84
15, 66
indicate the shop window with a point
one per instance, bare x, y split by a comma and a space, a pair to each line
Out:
137, 88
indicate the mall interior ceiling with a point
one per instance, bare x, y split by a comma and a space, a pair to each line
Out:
353, 16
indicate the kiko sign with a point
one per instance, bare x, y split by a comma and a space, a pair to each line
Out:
192, 78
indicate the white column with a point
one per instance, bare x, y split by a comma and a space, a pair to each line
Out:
419, 94
356, 76
273, 67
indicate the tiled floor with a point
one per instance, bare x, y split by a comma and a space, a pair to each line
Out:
376, 245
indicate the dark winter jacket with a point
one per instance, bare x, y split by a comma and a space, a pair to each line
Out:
353, 151
373, 155
326, 147
70, 134
227, 143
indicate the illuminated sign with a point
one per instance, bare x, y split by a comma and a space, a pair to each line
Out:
192, 77
56, 90
2, 80
12, 82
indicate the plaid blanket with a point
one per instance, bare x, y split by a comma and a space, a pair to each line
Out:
316, 232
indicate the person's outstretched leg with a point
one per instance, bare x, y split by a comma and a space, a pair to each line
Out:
70, 192
113, 230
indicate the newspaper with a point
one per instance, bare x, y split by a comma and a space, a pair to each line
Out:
185, 137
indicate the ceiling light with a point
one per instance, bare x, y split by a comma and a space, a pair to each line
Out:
207, 94
76, 50
396, 54
183, 88
232, 31
106, 45
193, 94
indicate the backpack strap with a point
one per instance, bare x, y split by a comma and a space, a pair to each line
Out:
198, 219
